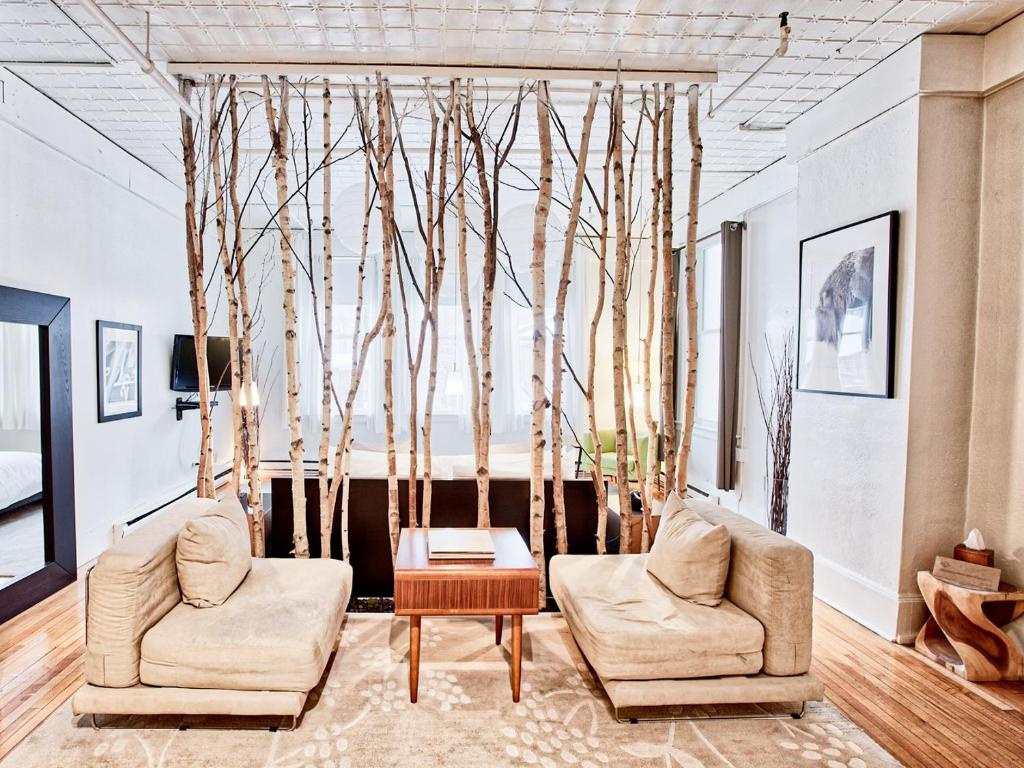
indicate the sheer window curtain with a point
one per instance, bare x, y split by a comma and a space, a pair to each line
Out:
19, 376
511, 348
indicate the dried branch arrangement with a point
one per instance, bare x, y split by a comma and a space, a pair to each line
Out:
775, 399
455, 180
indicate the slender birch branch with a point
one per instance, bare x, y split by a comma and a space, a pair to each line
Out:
278, 127
540, 401
619, 329
696, 156
668, 299
558, 325
327, 342
600, 489
197, 294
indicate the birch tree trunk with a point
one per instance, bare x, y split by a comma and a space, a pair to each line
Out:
540, 401
343, 455
558, 324
668, 299
652, 468
429, 269
602, 254
490, 259
440, 209
326, 511
477, 395
250, 415
197, 296
619, 329
386, 183
696, 156
220, 206
278, 127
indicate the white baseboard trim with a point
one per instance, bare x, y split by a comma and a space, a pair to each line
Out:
863, 600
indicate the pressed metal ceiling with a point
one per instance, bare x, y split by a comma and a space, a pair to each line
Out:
734, 38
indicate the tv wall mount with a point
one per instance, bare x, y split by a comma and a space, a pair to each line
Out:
181, 405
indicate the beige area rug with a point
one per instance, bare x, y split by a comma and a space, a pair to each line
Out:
465, 718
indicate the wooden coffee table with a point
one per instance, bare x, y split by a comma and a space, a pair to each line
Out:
507, 585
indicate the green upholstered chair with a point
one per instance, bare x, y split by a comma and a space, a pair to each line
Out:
585, 462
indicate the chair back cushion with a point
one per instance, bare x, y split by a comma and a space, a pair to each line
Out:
690, 556
214, 555
132, 587
771, 577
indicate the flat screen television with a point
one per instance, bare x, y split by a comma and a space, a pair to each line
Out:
184, 377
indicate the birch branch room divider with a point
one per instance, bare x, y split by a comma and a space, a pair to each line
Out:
368, 189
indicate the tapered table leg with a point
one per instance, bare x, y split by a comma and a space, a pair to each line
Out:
498, 620
414, 657
517, 655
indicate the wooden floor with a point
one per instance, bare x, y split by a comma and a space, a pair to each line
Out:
922, 715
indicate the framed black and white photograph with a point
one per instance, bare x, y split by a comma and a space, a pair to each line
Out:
847, 321
119, 370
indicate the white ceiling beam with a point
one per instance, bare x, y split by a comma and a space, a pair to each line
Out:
298, 69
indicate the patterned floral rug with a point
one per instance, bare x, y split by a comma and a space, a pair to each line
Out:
465, 718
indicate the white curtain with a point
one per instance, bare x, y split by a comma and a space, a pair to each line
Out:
19, 376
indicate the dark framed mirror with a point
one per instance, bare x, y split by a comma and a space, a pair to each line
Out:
37, 483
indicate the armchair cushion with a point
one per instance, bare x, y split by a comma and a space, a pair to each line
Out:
213, 555
630, 627
690, 556
275, 633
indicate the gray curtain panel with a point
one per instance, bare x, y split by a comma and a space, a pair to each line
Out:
728, 382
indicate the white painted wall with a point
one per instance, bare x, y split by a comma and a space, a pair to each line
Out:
81, 218
879, 487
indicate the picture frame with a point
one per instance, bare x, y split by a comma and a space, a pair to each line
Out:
118, 370
846, 319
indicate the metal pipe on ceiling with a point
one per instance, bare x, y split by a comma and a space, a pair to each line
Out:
779, 52
145, 63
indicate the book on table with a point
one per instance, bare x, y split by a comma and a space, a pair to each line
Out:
460, 544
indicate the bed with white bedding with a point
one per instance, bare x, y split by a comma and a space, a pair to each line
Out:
21, 479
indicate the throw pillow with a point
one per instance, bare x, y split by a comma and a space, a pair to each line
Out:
213, 555
690, 556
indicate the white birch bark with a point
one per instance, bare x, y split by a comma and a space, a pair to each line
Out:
197, 296
619, 329
220, 207
668, 298
476, 386
278, 126
696, 156
326, 511
386, 184
540, 401
558, 324
652, 468
600, 489
440, 208
250, 413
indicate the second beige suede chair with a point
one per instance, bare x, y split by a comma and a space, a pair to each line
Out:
657, 653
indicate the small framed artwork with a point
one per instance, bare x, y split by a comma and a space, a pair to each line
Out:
847, 317
119, 370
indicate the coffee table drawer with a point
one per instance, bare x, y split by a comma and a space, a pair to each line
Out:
490, 593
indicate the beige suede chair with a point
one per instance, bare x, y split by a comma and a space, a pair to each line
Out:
257, 654
657, 653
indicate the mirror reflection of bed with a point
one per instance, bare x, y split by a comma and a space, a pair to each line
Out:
22, 548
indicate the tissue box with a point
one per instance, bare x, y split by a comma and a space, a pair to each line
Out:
976, 556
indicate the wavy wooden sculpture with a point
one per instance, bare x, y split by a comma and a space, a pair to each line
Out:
963, 633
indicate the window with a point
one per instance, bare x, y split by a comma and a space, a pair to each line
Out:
709, 331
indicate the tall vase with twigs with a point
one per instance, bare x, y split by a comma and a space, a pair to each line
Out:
775, 398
